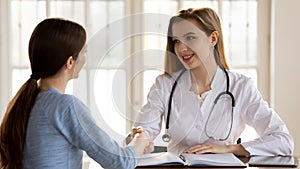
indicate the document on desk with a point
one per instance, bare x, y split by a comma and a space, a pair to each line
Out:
193, 160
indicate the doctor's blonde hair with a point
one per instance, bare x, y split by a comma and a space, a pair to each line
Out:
209, 22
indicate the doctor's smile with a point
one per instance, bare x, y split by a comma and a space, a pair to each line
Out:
187, 58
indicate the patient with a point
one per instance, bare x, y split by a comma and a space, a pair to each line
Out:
45, 128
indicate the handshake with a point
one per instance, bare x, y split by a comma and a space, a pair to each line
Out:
139, 140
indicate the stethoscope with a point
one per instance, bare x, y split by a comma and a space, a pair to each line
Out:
166, 137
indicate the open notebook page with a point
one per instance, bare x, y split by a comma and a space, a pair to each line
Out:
168, 158
227, 159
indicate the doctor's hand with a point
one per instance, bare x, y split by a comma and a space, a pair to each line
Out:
236, 149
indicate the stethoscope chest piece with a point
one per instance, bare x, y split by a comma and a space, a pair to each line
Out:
166, 137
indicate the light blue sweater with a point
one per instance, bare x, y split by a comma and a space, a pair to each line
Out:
60, 127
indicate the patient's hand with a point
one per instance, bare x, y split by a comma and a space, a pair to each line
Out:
140, 141
131, 135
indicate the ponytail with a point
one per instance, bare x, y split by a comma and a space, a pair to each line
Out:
14, 124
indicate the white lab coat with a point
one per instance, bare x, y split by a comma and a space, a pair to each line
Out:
188, 117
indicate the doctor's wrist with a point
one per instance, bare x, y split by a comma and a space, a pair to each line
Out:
238, 150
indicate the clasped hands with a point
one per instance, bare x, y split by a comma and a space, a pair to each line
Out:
138, 132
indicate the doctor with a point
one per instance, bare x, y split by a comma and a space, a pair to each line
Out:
204, 104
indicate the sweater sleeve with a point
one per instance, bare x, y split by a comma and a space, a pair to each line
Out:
79, 128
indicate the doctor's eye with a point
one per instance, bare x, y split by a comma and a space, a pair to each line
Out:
175, 41
188, 38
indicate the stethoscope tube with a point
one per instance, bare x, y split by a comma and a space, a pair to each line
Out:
227, 90
166, 137
170, 99
215, 102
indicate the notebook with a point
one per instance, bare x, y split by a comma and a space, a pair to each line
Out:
192, 160
273, 161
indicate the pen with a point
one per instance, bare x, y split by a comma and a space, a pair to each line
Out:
182, 157
239, 140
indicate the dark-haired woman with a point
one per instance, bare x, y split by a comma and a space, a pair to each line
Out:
43, 127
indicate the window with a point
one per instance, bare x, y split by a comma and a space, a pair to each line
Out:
95, 16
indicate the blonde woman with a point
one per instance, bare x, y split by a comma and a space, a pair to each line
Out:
205, 105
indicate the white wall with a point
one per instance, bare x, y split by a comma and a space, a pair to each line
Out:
285, 57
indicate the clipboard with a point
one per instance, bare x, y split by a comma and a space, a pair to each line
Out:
273, 161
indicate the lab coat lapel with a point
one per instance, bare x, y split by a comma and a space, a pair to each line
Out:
184, 108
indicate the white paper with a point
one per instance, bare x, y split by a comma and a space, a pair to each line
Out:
168, 158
